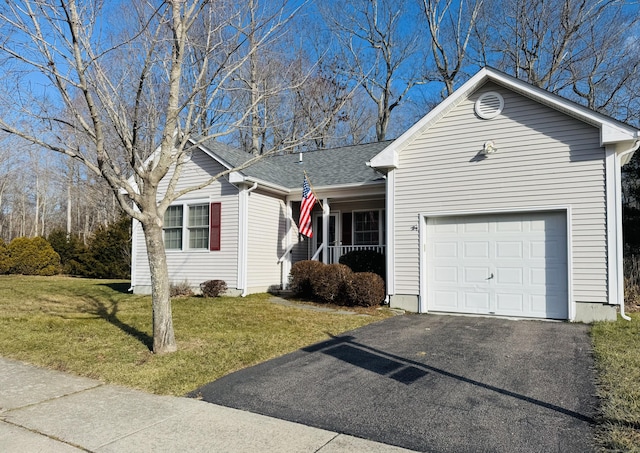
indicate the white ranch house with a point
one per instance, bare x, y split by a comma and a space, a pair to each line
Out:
504, 200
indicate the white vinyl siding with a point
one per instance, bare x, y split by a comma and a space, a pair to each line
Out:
199, 265
544, 158
267, 229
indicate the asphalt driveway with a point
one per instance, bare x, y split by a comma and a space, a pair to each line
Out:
434, 383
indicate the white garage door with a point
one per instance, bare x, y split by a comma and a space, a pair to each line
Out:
507, 264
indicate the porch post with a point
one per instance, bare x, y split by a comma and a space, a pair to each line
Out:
243, 238
286, 263
325, 230
391, 233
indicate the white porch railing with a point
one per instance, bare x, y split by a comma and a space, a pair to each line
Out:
317, 254
336, 251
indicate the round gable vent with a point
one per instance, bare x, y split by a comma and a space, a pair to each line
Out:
489, 105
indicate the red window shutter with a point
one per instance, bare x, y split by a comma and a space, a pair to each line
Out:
214, 226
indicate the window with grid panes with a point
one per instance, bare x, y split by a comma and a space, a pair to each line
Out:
198, 226
172, 228
366, 228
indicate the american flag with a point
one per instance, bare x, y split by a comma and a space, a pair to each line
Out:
308, 201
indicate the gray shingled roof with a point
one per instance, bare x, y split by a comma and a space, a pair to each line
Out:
336, 166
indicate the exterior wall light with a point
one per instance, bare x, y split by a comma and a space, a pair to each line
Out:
488, 148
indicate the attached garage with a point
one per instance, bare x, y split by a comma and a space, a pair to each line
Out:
499, 264
505, 200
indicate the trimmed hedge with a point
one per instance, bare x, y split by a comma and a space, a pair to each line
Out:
300, 277
331, 283
366, 289
365, 261
336, 283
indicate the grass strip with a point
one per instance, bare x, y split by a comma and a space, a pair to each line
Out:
96, 328
617, 353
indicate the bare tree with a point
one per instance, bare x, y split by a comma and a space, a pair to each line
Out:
121, 96
377, 40
265, 75
552, 43
451, 25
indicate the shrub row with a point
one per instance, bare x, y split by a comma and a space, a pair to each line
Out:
336, 283
107, 254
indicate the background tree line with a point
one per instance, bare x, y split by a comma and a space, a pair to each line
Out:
366, 70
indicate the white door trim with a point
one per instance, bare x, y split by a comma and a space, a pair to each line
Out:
422, 225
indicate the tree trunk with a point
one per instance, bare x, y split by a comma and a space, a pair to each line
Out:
163, 337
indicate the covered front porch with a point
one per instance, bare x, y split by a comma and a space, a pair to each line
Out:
341, 223
349, 226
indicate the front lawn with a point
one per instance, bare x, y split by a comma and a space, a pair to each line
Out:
617, 353
95, 328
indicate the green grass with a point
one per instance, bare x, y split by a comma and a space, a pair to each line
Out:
95, 328
617, 353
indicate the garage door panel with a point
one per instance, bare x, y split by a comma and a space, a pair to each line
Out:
552, 248
444, 274
475, 250
446, 300
511, 249
476, 302
511, 226
475, 226
509, 304
446, 250
510, 264
445, 226
509, 276
473, 275
550, 278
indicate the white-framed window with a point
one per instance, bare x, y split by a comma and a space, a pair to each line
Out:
188, 226
172, 229
368, 227
198, 226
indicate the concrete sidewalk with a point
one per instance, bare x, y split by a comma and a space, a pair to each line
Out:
50, 411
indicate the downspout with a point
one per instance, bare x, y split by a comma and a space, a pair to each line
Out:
619, 250
253, 187
245, 240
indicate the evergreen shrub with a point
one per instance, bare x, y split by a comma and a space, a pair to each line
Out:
73, 253
109, 254
5, 258
33, 257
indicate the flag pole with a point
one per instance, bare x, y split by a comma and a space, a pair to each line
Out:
313, 190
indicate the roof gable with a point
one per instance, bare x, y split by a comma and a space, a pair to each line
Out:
611, 130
